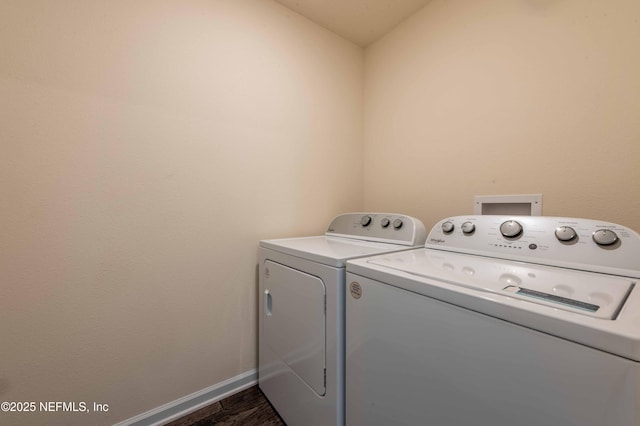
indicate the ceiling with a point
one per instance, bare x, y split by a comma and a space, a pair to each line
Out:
360, 21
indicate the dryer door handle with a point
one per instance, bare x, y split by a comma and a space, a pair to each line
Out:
267, 303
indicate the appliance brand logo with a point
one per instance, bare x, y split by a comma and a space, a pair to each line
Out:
436, 240
331, 230
356, 290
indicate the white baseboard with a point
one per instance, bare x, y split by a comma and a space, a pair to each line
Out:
188, 404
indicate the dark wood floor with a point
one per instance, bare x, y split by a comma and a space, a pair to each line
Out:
246, 408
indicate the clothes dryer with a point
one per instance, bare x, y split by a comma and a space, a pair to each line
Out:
301, 311
498, 321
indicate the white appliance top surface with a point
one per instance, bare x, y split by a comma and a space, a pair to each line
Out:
353, 235
595, 295
488, 286
557, 287
328, 250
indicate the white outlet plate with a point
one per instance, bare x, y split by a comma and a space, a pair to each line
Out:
520, 205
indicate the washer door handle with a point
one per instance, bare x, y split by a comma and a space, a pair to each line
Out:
267, 303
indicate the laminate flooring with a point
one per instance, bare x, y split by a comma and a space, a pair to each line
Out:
246, 408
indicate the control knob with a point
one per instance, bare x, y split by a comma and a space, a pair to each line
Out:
565, 233
397, 224
605, 237
365, 221
468, 228
447, 227
385, 222
510, 229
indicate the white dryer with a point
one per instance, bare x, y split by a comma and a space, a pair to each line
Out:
498, 321
301, 311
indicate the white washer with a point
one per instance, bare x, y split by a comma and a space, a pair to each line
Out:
498, 321
301, 311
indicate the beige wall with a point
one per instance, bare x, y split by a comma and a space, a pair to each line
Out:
506, 97
146, 147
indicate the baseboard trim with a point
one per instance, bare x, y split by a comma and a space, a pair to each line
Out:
188, 404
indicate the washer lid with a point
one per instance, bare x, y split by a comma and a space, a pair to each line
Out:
332, 251
597, 310
594, 295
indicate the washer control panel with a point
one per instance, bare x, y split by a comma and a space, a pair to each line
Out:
577, 243
381, 227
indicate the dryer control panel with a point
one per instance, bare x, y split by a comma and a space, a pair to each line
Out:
380, 227
584, 244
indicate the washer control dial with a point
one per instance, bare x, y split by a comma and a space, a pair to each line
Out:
468, 227
605, 237
447, 227
510, 229
566, 233
385, 222
365, 221
397, 224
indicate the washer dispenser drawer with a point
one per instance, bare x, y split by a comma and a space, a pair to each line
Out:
294, 321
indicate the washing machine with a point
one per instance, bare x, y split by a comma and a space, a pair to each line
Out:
301, 311
498, 321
